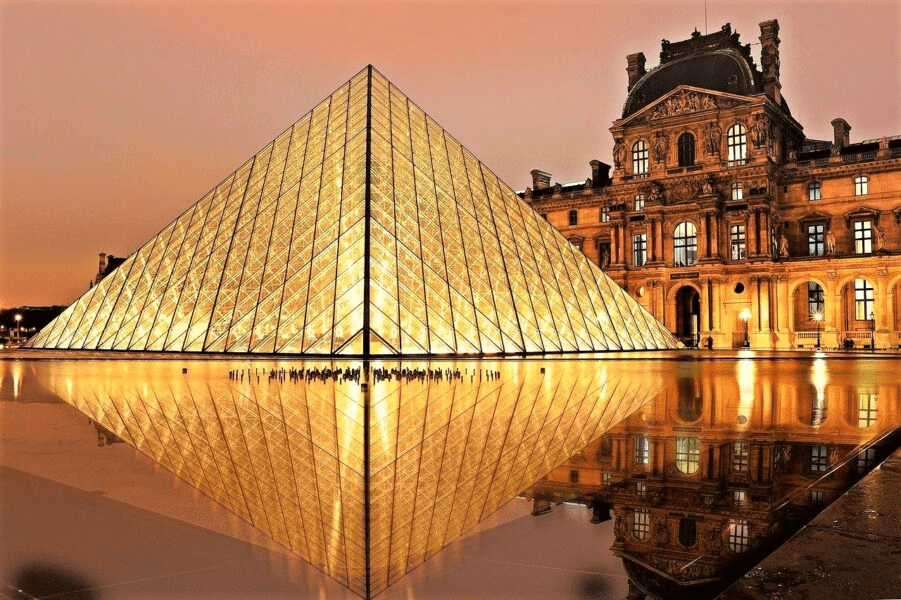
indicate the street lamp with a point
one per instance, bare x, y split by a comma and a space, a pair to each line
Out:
18, 319
745, 315
818, 316
872, 332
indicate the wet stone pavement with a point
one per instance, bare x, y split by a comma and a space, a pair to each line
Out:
851, 550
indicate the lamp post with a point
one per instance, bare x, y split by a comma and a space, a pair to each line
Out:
818, 317
745, 315
18, 319
872, 332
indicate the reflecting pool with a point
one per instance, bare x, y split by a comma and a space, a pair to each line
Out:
685, 472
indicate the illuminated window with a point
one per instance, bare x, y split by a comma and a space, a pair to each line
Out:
815, 298
642, 451
738, 535
605, 214
606, 478
573, 217
737, 191
740, 456
737, 142
739, 497
686, 144
688, 454
641, 488
639, 202
863, 237
640, 249
816, 239
573, 476
685, 244
866, 409
866, 460
688, 532
737, 241
641, 524
819, 458
640, 158
861, 186
863, 300
814, 190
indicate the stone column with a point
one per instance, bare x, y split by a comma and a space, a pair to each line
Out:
753, 324
751, 233
703, 251
764, 240
614, 245
717, 304
765, 304
652, 239
705, 308
714, 235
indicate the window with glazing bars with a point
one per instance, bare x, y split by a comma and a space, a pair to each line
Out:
688, 454
863, 300
816, 239
737, 143
866, 409
740, 456
641, 524
737, 241
814, 190
863, 237
861, 186
685, 244
640, 158
573, 217
738, 535
819, 458
640, 249
639, 202
815, 298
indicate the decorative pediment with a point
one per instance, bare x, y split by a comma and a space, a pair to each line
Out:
814, 216
862, 212
684, 100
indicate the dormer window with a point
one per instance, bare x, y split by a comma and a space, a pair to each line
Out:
861, 186
640, 158
814, 190
686, 144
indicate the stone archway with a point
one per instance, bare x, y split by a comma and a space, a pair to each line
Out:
688, 316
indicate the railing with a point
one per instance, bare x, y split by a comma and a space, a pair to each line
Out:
806, 335
861, 157
857, 335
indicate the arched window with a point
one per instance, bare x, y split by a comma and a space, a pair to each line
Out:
640, 158
737, 142
686, 143
685, 244
814, 190
573, 217
739, 540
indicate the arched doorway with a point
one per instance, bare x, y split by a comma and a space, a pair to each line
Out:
688, 316
808, 314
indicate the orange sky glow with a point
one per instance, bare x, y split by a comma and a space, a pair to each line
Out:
116, 116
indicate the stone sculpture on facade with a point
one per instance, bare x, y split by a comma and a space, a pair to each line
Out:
712, 135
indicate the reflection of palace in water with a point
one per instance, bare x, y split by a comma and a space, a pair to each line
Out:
718, 470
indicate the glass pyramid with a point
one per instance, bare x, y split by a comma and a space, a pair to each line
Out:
364, 229
364, 482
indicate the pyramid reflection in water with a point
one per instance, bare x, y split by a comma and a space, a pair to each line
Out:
292, 457
364, 229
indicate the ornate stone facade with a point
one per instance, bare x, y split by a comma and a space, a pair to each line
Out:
719, 207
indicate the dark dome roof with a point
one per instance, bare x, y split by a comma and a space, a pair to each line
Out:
723, 70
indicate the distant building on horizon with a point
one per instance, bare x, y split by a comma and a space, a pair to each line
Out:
725, 221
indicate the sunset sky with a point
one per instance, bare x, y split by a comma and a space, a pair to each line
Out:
116, 116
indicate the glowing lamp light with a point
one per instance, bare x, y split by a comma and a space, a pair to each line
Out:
818, 316
745, 315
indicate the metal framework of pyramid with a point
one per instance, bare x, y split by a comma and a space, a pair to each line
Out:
364, 483
365, 229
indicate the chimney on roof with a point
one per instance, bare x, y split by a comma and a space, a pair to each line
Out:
841, 132
600, 173
540, 179
769, 59
635, 68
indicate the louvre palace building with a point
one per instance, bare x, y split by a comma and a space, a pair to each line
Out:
728, 224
